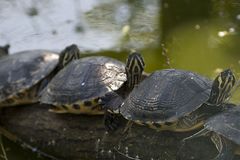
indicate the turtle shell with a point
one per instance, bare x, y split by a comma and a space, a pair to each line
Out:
165, 96
21, 71
84, 80
226, 124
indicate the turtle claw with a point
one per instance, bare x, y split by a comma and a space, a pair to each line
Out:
111, 122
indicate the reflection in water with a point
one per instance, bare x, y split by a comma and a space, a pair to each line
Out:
52, 28
90, 24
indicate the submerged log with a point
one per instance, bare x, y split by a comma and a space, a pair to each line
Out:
68, 136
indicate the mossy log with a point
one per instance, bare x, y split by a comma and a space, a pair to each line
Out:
72, 137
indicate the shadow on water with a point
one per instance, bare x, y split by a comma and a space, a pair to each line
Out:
201, 36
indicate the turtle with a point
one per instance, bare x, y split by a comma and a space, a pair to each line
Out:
224, 131
23, 75
4, 50
173, 99
77, 88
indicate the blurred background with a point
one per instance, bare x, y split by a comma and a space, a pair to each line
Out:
201, 36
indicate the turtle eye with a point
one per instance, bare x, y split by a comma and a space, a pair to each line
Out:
222, 86
134, 68
69, 54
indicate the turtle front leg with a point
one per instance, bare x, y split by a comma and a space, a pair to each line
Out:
111, 103
111, 121
224, 147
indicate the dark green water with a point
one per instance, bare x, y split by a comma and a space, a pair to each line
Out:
201, 36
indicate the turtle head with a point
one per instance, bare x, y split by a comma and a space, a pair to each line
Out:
69, 54
134, 68
221, 87
4, 50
